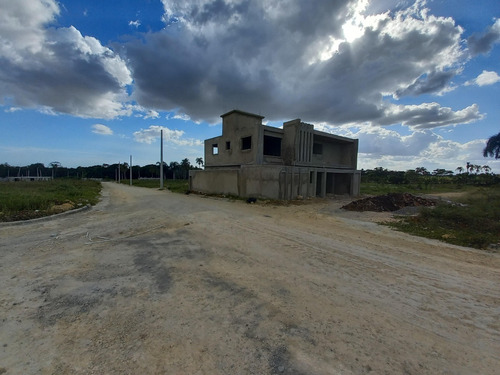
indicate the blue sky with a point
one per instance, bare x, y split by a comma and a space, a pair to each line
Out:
92, 82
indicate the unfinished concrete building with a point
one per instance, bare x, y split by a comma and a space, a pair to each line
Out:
250, 159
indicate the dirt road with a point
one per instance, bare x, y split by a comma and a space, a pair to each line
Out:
150, 282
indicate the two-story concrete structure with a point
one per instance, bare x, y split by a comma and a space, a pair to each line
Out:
250, 159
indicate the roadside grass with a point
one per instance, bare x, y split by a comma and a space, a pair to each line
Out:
474, 222
22, 200
372, 188
175, 186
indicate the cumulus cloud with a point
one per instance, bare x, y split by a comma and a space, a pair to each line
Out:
343, 61
101, 129
153, 133
380, 146
484, 79
58, 69
333, 61
483, 42
135, 23
429, 115
151, 114
180, 116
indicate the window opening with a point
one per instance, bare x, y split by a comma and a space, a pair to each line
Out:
272, 146
246, 143
215, 149
317, 149
228, 145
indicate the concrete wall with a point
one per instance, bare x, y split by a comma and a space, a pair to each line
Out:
235, 126
336, 153
215, 181
275, 182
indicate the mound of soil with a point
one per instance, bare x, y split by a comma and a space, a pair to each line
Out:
389, 202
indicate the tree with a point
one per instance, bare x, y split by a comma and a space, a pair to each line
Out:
185, 166
492, 148
422, 171
174, 167
199, 162
55, 165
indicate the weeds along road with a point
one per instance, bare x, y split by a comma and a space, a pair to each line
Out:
150, 282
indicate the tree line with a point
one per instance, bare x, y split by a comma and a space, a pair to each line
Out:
172, 170
470, 174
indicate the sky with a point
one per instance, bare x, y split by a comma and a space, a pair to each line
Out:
93, 82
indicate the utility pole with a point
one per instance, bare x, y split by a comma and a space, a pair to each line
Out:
130, 170
161, 159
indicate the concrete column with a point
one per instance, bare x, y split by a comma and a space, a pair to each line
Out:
308, 147
313, 185
323, 185
299, 138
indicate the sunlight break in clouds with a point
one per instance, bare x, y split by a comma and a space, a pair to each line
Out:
285, 67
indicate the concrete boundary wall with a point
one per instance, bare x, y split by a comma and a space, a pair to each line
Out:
275, 182
215, 181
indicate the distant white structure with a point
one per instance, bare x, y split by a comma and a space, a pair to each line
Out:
26, 178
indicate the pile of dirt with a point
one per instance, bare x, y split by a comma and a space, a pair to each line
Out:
389, 202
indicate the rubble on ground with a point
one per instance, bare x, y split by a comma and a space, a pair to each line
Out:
390, 202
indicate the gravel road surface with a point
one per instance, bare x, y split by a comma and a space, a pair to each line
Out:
151, 282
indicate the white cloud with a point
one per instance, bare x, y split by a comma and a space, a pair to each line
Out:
152, 133
58, 69
101, 129
179, 116
22, 25
429, 115
484, 79
135, 23
383, 147
151, 114
13, 109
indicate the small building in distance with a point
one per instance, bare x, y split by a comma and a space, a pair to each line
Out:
250, 159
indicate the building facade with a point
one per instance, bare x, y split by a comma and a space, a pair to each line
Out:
250, 159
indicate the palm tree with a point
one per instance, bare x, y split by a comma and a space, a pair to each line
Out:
54, 165
199, 162
185, 166
174, 166
469, 167
492, 148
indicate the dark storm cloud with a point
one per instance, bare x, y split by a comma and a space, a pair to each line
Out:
281, 61
321, 61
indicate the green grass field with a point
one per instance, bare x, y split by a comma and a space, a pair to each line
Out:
23, 200
372, 188
473, 222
